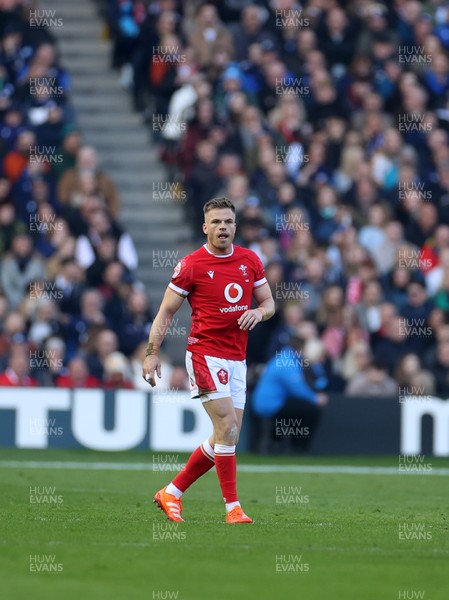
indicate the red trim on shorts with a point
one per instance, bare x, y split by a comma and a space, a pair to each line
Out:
203, 379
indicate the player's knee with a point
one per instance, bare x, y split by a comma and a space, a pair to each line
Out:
231, 432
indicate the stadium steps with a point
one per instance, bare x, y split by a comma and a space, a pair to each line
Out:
123, 141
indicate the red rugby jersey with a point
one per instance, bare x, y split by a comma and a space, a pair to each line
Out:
219, 289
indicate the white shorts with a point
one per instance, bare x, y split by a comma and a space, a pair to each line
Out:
212, 378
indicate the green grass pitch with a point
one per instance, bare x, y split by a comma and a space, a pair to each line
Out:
316, 536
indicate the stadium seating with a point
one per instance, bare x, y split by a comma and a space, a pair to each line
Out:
327, 129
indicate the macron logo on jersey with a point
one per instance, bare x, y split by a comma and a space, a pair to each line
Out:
211, 274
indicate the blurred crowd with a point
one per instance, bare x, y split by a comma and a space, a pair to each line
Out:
326, 123
72, 312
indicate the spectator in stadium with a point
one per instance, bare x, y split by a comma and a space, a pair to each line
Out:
267, 249
356, 358
330, 318
301, 245
45, 112
410, 369
326, 214
436, 78
64, 250
182, 105
77, 376
237, 191
52, 233
390, 343
291, 387
17, 372
19, 268
50, 363
153, 28
117, 372
418, 306
209, 38
395, 284
87, 162
69, 283
13, 328
250, 31
10, 226
4, 310
135, 325
163, 71
67, 151
179, 380
434, 276
202, 182
325, 101
13, 119
417, 311
249, 132
26, 190
441, 298
369, 308
43, 314
372, 236
125, 19
439, 327
372, 381
422, 224
104, 242
17, 160
422, 383
313, 284
292, 315
105, 343
116, 289
199, 127
90, 316
337, 39
354, 154
5, 191
385, 256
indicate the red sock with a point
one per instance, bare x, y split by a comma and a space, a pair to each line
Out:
226, 466
199, 462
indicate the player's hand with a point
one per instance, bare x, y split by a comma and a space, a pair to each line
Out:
249, 319
151, 364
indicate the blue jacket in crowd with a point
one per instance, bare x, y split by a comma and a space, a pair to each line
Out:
284, 378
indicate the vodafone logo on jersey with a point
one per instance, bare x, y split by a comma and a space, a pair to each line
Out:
233, 292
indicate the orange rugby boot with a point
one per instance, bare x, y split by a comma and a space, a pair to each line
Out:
236, 515
171, 505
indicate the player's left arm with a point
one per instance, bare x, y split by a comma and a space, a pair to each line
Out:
264, 310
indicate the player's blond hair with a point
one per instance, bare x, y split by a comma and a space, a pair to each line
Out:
218, 203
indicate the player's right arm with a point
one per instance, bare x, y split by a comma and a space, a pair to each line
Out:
170, 304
